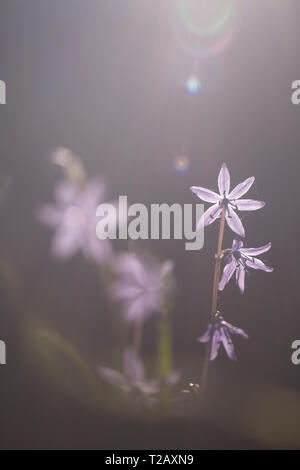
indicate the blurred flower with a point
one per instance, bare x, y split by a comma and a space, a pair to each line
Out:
73, 216
143, 286
219, 332
133, 378
229, 200
239, 260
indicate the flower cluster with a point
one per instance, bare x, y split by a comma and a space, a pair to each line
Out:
237, 259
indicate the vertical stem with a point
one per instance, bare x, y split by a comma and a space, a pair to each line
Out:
218, 258
164, 353
214, 304
137, 335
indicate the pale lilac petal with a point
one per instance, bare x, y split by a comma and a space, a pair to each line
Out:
121, 291
256, 251
133, 367
93, 193
228, 344
209, 216
234, 222
240, 278
150, 387
166, 269
237, 244
130, 264
258, 264
206, 336
224, 180
241, 188
49, 214
227, 274
215, 345
113, 377
248, 204
205, 194
65, 243
137, 309
65, 192
239, 331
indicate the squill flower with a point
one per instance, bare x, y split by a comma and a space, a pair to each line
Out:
218, 332
133, 379
239, 260
143, 286
73, 217
230, 200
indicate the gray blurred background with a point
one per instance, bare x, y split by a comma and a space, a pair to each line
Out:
108, 79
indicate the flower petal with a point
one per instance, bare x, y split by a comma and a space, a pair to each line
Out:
206, 336
65, 243
227, 274
113, 377
215, 345
237, 244
205, 194
241, 188
255, 263
240, 278
65, 192
228, 344
122, 291
224, 180
209, 216
256, 251
248, 204
239, 331
165, 269
234, 222
137, 309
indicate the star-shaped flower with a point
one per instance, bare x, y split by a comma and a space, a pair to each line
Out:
239, 260
133, 379
218, 332
73, 216
230, 200
143, 285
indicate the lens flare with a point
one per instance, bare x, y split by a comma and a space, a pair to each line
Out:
193, 85
208, 48
205, 28
205, 18
181, 164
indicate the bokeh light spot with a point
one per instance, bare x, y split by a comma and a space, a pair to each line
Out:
181, 164
193, 85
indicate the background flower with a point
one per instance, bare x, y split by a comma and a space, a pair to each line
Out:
133, 379
143, 286
73, 217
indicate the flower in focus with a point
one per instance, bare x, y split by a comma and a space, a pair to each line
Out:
218, 332
133, 378
239, 260
229, 200
73, 217
143, 286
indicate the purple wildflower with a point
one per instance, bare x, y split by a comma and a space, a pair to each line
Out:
230, 200
73, 216
239, 260
143, 286
133, 379
218, 332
